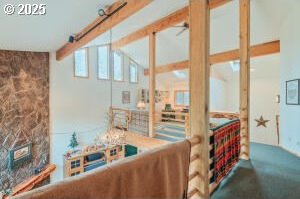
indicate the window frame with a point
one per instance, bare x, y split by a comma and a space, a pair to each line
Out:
122, 66
175, 95
108, 61
87, 64
137, 72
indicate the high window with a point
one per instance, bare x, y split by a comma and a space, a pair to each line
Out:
133, 72
103, 62
118, 72
81, 68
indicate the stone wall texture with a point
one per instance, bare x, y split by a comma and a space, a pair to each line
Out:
24, 111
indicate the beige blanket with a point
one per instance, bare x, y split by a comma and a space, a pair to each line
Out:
159, 173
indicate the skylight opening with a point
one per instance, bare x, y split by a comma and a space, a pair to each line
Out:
180, 74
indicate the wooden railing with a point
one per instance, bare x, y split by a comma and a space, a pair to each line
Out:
228, 115
29, 184
120, 117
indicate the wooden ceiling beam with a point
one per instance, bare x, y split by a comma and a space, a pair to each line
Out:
175, 18
157, 26
268, 48
217, 3
169, 67
129, 9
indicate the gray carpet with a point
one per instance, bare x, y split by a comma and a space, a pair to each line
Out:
272, 173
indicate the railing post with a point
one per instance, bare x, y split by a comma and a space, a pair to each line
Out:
244, 77
199, 92
152, 52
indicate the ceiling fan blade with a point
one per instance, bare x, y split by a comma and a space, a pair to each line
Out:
181, 31
177, 26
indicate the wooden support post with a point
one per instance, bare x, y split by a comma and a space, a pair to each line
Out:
199, 92
152, 52
244, 77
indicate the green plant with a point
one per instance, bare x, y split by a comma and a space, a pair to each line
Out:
73, 142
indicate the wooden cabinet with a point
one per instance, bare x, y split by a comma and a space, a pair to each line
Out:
85, 161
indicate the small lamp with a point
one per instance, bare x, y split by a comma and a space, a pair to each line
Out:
141, 105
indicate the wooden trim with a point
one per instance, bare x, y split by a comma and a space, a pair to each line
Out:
29, 184
217, 3
152, 60
245, 77
192, 193
174, 18
169, 67
87, 65
157, 26
255, 51
199, 91
131, 8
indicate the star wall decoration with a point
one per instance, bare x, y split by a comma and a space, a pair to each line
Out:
261, 122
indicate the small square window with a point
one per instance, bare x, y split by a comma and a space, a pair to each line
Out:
81, 63
182, 98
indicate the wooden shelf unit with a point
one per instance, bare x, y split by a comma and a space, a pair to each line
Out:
80, 163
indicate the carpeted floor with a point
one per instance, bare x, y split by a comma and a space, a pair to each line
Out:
272, 173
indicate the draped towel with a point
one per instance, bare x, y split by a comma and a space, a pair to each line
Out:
159, 173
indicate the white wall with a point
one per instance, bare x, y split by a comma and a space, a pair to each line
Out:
80, 105
218, 90
290, 69
264, 86
263, 93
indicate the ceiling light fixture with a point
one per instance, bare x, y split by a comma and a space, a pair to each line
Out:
71, 38
101, 12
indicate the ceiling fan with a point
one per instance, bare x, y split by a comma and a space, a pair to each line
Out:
185, 26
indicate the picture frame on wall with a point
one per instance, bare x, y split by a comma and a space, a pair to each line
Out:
292, 92
19, 155
126, 97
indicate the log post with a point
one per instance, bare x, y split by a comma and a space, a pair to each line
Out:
199, 92
244, 77
152, 44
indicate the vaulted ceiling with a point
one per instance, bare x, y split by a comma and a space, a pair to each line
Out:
63, 18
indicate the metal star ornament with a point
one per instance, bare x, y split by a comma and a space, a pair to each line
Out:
261, 122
